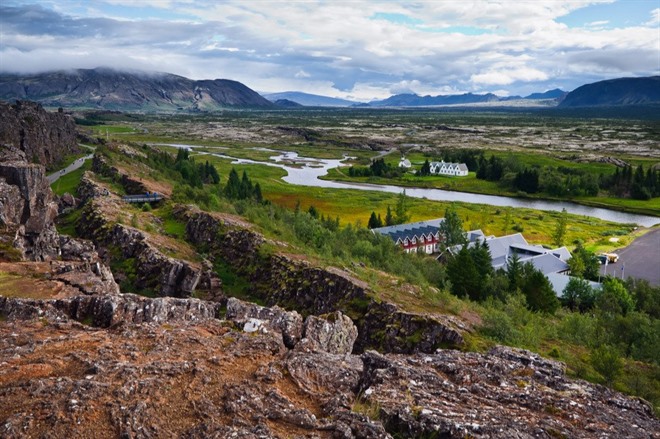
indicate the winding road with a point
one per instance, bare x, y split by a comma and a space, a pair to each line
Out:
52, 178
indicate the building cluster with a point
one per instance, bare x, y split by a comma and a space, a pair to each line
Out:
440, 168
424, 237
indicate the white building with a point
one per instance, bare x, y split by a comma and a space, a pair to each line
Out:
405, 163
452, 169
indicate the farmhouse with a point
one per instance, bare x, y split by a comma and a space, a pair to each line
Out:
420, 237
452, 169
405, 163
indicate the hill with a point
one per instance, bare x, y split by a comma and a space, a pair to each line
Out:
615, 92
309, 100
550, 94
414, 100
105, 88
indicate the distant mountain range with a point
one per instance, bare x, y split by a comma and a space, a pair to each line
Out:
109, 89
615, 92
309, 100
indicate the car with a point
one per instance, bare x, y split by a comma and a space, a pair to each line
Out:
611, 258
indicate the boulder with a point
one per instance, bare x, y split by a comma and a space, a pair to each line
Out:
333, 333
252, 318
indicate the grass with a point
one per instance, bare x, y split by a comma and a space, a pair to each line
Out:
69, 183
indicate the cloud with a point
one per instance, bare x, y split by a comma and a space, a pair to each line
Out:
335, 48
506, 77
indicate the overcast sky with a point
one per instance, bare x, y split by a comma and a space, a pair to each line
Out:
359, 50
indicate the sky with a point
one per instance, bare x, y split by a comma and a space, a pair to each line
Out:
360, 50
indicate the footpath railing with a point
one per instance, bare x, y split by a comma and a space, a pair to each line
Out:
152, 197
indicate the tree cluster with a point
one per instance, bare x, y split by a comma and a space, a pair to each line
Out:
639, 185
242, 188
377, 168
195, 174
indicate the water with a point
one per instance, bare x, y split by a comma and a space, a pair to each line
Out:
305, 171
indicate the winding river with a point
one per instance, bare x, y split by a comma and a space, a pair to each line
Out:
306, 172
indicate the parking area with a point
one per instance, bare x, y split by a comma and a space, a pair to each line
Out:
641, 259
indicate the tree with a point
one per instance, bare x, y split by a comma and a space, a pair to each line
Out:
451, 229
374, 221
463, 275
584, 263
233, 187
389, 218
514, 271
401, 210
538, 291
578, 295
560, 229
257, 193
426, 169
614, 298
313, 212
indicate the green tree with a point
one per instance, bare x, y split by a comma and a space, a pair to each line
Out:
374, 221
389, 218
463, 275
560, 230
233, 187
313, 212
401, 210
578, 295
514, 271
451, 229
426, 169
538, 291
614, 298
507, 221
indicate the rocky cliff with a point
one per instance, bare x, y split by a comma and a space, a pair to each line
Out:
43, 137
295, 284
184, 373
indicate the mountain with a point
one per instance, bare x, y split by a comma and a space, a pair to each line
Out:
285, 103
110, 89
615, 92
309, 100
414, 100
550, 94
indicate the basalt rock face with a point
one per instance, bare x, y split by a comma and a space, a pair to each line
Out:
105, 311
165, 275
293, 284
132, 186
43, 137
28, 210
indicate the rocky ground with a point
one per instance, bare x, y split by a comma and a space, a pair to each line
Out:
265, 373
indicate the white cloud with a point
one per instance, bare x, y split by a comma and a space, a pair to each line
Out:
337, 48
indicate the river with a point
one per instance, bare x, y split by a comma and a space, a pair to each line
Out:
306, 172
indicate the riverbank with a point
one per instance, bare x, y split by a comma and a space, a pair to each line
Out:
471, 185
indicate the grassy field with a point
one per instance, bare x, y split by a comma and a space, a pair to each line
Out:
69, 182
355, 206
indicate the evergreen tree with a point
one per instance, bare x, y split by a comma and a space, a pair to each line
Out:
426, 168
245, 190
373, 221
389, 218
463, 275
233, 187
514, 271
257, 193
313, 212
538, 291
